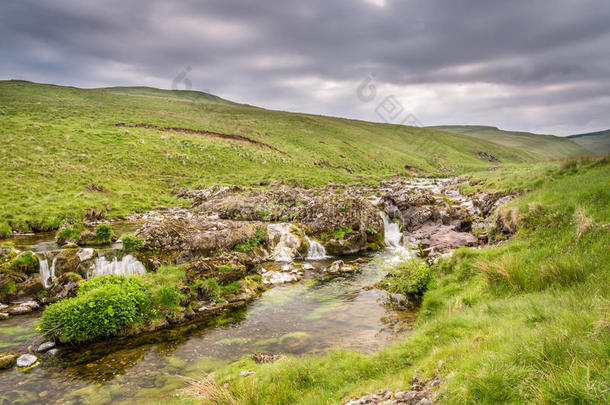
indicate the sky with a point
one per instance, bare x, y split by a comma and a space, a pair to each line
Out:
530, 65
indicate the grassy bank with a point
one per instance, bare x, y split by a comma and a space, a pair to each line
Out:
527, 321
62, 153
547, 146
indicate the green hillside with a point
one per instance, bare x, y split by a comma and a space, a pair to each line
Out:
545, 146
595, 142
63, 153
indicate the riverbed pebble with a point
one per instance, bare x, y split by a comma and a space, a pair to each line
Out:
26, 360
45, 347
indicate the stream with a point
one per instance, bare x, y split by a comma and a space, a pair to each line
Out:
310, 316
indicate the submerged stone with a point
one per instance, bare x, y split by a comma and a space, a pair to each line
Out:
7, 360
26, 360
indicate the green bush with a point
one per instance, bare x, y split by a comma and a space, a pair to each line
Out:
5, 230
248, 245
104, 233
408, 278
102, 307
210, 289
131, 242
166, 298
67, 235
163, 288
25, 262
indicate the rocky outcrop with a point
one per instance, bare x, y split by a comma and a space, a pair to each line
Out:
183, 236
65, 286
225, 267
432, 212
418, 394
323, 214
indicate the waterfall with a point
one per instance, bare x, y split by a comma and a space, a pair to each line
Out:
315, 250
47, 274
392, 234
392, 238
127, 266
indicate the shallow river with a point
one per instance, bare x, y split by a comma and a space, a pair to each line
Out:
311, 316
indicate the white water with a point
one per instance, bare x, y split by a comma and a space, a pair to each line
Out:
316, 250
393, 238
47, 274
127, 266
392, 233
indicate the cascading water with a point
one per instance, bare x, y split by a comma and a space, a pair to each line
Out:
127, 266
47, 274
392, 234
392, 238
315, 250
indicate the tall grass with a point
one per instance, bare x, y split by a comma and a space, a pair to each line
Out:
524, 322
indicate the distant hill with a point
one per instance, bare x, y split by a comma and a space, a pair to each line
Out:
545, 146
595, 142
185, 95
139, 144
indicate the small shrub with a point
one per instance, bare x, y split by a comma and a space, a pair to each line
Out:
102, 307
372, 231
5, 230
230, 289
408, 278
262, 214
341, 232
104, 233
131, 242
210, 289
67, 235
166, 298
225, 269
248, 245
25, 262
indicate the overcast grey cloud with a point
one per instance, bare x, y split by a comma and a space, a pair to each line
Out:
541, 66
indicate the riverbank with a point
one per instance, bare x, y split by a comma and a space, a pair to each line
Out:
522, 322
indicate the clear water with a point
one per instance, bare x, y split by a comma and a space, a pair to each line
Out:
311, 316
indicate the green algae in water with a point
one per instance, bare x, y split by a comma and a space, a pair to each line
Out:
232, 341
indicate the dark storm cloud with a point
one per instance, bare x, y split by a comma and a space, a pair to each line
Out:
529, 65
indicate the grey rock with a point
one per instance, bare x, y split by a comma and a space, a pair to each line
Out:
3, 315
20, 309
52, 352
31, 304
85, 254
45, 346
26, 360
3, 306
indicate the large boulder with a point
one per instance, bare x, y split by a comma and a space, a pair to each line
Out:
65, 286
286, 242
319, 212
28, 288
225, 268
184, 237
346, 224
